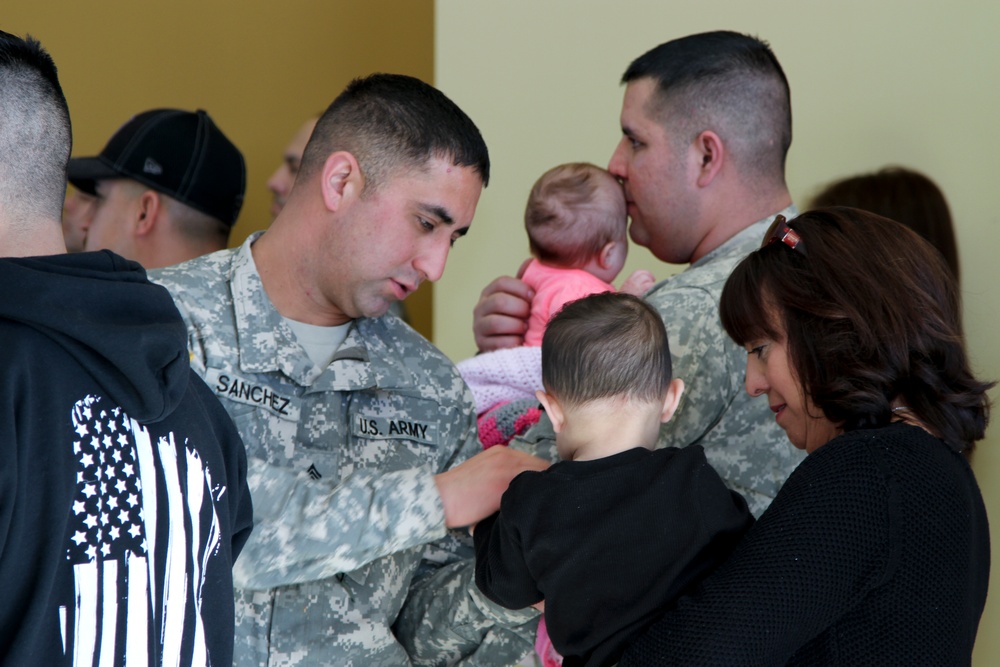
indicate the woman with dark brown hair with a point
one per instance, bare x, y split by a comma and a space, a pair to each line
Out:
876, 549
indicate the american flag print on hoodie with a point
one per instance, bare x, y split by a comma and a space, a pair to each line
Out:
144, 527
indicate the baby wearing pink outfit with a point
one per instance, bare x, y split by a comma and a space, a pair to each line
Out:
577, 227
554, 288
578, 232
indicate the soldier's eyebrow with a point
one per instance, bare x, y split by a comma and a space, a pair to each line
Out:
439, 212
629, 132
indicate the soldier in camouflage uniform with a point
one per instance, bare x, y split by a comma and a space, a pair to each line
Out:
360, 434
706, 121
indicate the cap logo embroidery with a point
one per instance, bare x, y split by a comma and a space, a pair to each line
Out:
152, 167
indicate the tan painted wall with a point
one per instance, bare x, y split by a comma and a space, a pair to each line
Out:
259, 68
895, 81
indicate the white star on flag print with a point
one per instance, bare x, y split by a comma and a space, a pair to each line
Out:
144, 527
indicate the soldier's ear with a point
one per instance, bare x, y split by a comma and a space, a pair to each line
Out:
710, 152
341, 180
147, 212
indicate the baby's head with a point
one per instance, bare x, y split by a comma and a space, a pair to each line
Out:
576, 219
609, 349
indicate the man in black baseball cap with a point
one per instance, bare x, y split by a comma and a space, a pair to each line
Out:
169, 187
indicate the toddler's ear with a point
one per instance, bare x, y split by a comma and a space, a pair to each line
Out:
552, 409
672, 399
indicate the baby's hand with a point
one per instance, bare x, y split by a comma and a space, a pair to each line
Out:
638, 283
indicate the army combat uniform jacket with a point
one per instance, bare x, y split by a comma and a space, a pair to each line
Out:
341, 466
741, 438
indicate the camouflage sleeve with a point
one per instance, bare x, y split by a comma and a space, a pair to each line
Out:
446, 620
305, 530
699, 349
540, 440
457, 544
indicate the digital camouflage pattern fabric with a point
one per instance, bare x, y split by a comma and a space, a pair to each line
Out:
341, 463
741, 439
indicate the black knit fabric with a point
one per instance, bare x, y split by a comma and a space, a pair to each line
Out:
607, 543
875, 552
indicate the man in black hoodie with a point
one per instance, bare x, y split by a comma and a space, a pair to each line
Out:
123, 497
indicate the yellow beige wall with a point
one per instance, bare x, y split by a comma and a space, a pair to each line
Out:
872, 83
259, 68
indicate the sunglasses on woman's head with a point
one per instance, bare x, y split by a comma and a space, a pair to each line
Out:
780, 232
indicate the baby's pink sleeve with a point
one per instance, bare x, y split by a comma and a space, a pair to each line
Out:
548, 302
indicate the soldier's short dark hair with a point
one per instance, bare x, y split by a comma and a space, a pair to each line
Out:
392, 122
729, 83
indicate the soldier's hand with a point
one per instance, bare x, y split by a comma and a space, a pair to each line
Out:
471, 491
501, 316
